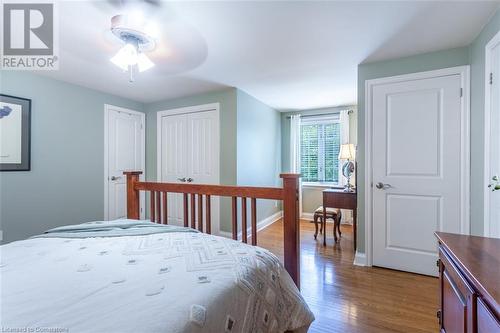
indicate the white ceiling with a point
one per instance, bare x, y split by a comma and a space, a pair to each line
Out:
290, 55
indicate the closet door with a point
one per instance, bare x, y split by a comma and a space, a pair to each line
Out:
190, 154
174, 152
203, 155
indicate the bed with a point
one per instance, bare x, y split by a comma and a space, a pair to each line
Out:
147, 276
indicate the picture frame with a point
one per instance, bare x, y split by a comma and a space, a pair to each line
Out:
15, 133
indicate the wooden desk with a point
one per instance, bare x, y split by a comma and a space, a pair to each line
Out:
337, 198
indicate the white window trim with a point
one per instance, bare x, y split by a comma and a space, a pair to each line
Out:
333, 119
321, 184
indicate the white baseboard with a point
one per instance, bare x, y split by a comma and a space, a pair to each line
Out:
359, 259
260, 225
307, 216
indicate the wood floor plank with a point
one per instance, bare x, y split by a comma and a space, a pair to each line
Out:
347, 298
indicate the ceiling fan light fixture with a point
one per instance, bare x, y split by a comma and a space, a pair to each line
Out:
144, 63
131, 56
126, 56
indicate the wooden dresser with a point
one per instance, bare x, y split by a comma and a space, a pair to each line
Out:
469, 270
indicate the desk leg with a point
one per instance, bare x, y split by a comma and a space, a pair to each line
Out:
324, 225
354, 227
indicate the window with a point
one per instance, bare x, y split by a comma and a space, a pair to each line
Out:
319, 149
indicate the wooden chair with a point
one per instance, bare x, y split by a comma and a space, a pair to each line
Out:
331, 213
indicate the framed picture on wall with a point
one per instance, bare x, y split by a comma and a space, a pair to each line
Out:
15, 133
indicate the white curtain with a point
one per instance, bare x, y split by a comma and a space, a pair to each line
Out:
295, 152
344, 139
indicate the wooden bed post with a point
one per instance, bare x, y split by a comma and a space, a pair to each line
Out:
291, 225
133, 208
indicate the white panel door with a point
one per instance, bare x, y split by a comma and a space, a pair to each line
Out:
124, 152
416, 160
174, 145
190, 153
203, 158
493, 229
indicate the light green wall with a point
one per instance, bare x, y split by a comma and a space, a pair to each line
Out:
227, 100
312, 197
247, 158
65, 184
285, 129
477, 58
418, 63
259, 148
472, 55
67, 152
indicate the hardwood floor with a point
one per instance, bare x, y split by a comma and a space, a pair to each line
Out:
346, 298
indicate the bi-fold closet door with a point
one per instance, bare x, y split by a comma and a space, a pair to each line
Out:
188, 152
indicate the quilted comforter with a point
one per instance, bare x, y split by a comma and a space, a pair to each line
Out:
126, 276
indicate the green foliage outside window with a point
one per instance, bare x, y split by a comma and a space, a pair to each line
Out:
320, 145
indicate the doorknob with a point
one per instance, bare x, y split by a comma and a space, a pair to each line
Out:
189, 180
115, 178
183, 179
380, 185
495, 185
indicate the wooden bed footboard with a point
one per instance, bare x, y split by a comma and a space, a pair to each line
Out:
194, 208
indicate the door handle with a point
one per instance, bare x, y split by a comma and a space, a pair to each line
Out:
189, 180
115, 177
183, 179
495, 185
381, 186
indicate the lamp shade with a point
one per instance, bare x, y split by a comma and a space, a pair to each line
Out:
347, 152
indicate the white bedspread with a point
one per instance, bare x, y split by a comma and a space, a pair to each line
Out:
165, 282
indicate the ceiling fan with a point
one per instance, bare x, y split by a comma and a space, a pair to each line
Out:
174, 47
137, 35
136, 40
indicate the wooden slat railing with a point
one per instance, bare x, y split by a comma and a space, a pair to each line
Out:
244, 220
208, 212
165, 207
193, 209
253, 208
234, 218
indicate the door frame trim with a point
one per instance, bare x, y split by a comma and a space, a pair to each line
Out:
487, 129
107, 108
464, 72
185, 110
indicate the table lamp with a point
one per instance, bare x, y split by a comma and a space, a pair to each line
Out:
347, 153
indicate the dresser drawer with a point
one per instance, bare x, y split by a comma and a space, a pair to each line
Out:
457, 298
486, 321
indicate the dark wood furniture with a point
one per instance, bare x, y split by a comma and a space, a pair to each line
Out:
469, 278
338, 198
193, 198
331, 213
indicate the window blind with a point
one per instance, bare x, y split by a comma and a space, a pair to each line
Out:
320, 146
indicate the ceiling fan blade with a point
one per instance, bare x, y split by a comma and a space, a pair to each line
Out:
127, 3
180, 48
